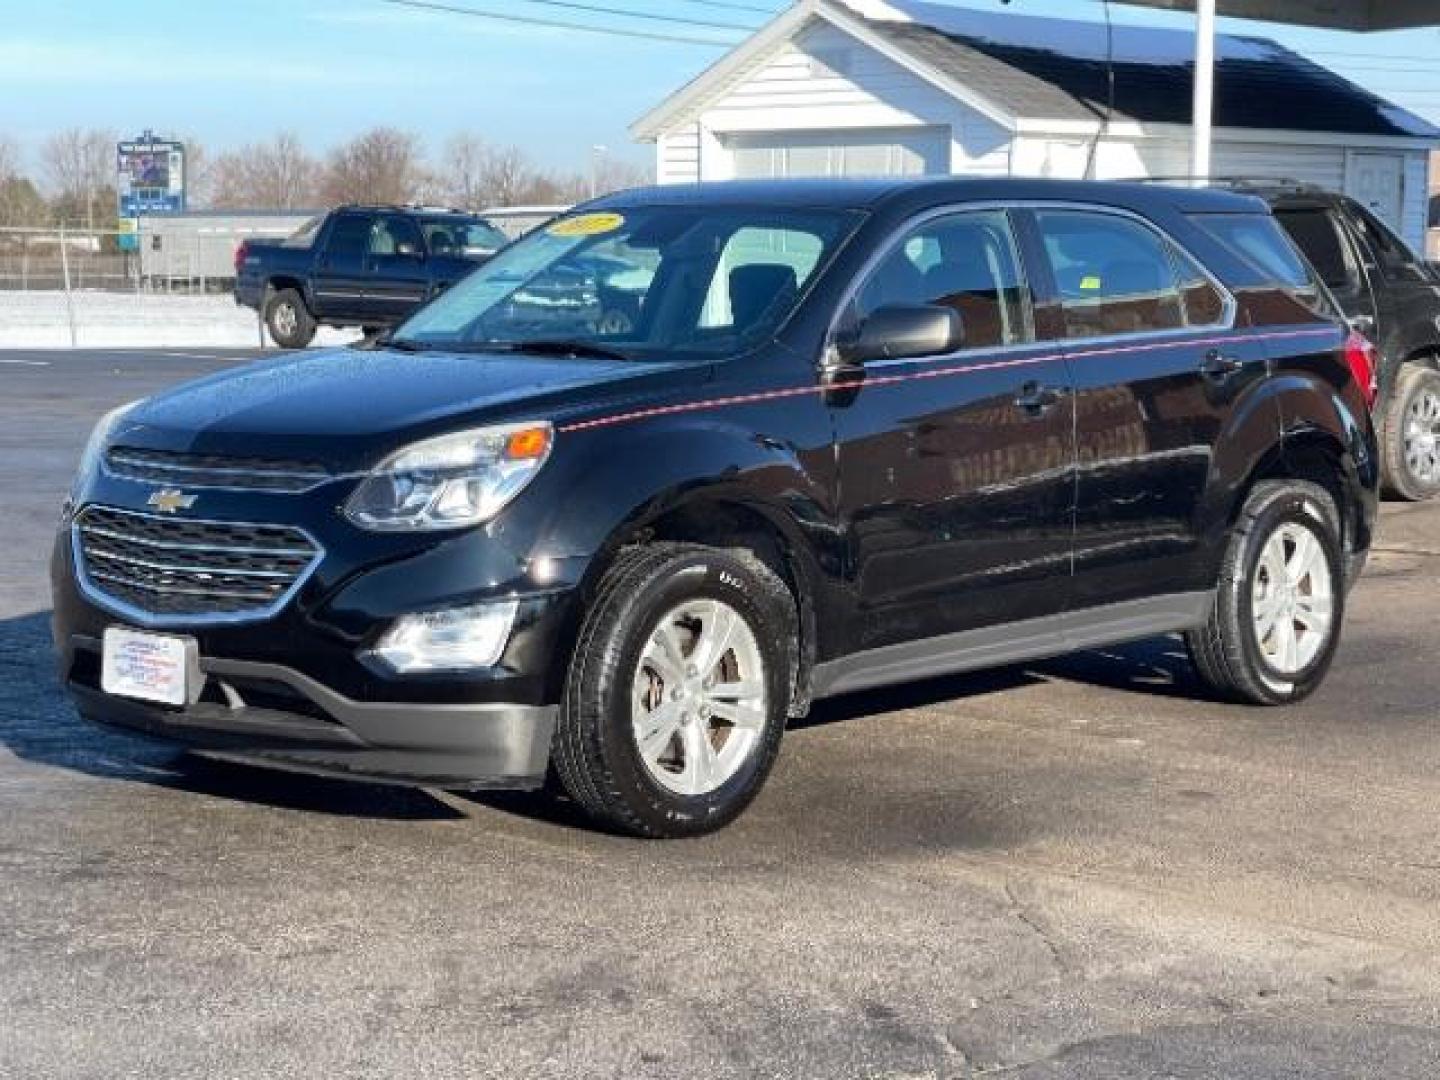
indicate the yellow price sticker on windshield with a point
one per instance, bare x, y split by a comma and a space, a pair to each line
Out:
1090, 283
587, 225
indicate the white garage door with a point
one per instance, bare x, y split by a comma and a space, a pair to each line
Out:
898, 152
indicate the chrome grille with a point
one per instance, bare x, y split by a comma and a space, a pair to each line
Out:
183, 568
213, 471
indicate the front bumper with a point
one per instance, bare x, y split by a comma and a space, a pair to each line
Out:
270, 714
299, 688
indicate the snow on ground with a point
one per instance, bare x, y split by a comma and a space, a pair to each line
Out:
39, 320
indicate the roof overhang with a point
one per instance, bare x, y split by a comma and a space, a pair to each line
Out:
756, 49
1333, 14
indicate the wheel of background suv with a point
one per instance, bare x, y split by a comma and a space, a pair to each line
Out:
1410, 435
289, 320
1275, 622
678, 691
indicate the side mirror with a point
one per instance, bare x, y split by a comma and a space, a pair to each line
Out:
903, 332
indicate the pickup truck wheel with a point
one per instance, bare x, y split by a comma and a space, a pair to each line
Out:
1410, 436
678, 690
289, 320
1275, 622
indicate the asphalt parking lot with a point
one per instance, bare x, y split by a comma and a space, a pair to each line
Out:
1072, 869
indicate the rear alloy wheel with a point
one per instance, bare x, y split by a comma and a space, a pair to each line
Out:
678, 690
1275, 621
1291, 601
288, 319
1410, 435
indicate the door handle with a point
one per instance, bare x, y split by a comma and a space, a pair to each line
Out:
1218, 366
1037, 400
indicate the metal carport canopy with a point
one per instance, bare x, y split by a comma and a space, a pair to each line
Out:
1366, 15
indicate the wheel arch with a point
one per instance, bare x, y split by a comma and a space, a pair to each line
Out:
1318, 456
698, 483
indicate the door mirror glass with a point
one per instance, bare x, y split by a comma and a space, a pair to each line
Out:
902, 332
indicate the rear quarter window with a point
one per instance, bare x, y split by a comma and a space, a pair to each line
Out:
1276, 252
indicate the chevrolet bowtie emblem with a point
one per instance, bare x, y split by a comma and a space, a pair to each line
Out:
169, 500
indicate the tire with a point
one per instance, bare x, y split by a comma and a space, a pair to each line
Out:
1410, 436
1231, 654
288, 319
614, 691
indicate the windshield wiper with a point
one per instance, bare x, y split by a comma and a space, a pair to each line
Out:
400, 344
558, 347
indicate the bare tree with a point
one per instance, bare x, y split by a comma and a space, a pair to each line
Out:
198, 173
275, 175
20, 203
80, 166
463, 171
382, 165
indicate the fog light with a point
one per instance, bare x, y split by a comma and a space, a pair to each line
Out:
457, 639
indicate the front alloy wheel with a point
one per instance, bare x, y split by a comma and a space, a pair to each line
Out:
1422, 436
699, 703
678, 689
1409, 429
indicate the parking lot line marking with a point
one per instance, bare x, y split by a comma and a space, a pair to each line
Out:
26, 363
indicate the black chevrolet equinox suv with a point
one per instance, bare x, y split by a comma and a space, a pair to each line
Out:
857, 433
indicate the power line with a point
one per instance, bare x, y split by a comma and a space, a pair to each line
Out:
530, 20
631, 13
732, 7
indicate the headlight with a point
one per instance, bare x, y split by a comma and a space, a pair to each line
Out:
451, 481
95, 447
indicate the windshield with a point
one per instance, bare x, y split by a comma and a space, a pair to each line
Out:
459, 236
639, 282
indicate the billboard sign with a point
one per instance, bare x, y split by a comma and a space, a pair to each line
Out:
150, 176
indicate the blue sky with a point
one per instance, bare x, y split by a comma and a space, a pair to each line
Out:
228, 71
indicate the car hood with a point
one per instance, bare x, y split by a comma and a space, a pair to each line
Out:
348, 407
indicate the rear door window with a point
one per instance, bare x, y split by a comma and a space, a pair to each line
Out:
394, 234
1317, 234
350, 236
1114, 275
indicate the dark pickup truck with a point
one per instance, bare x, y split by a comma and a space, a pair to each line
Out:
366, 266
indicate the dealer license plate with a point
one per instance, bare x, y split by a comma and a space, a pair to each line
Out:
150, 667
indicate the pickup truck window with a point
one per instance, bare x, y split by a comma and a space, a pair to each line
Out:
456, 236
350, 235
1114, 274
663, 280
395, 235
966, 261
1317, 234
304, 236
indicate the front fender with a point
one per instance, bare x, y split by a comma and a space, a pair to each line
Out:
610, 484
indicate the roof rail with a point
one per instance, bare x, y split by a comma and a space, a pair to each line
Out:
421, 207
1239, 183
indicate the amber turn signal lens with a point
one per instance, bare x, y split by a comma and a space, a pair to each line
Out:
527, 444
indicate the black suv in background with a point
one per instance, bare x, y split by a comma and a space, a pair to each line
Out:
366, 266
1392, 296
855, 434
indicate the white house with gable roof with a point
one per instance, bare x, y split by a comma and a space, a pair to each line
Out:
897, 87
